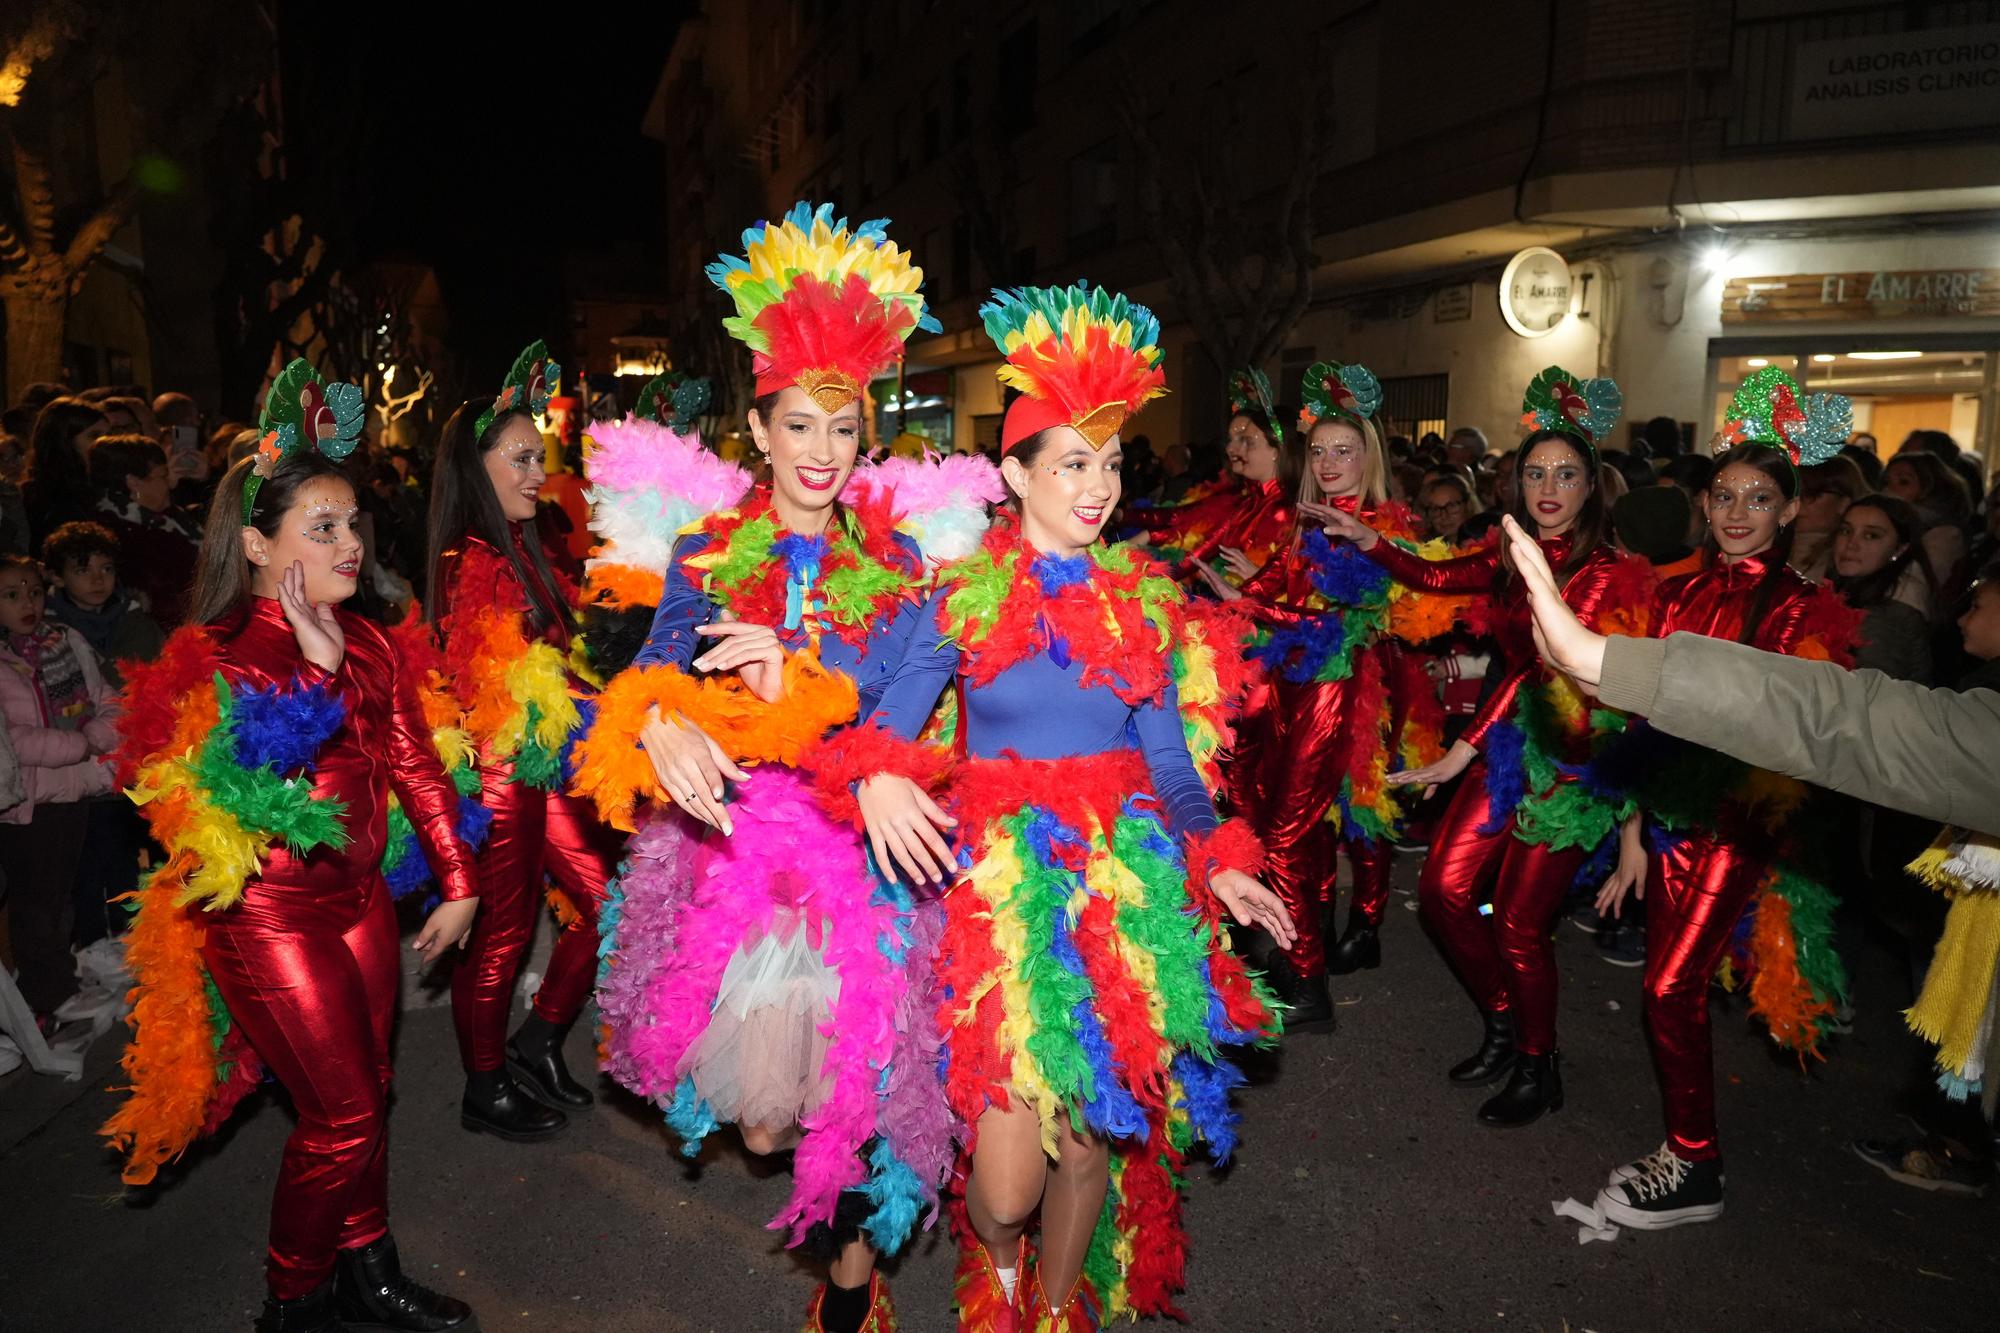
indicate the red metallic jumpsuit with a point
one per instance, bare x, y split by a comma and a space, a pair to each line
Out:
1259, 525
534, 833
306, 962
1285, 772
1697, 891
1508, 964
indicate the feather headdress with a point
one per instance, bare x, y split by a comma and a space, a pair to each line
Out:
821, 305
1771, 408
674, 400
1081, 356
302, 409
1558, 400
1250, 391
533, 380
1333, 390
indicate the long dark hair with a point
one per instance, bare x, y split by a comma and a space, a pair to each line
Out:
1593, 521
1869, 590
54, 468
1777, 466
463, 505
221, 574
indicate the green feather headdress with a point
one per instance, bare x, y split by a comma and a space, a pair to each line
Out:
1250, 390
1558, 400
300, 408
529, 385
1333, 390
1771, 408
674, 400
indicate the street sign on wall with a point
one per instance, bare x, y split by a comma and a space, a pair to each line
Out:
1891, 82
1881, 294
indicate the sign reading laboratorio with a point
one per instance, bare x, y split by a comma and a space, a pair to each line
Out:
1940, 78
1534, 292
1941, 293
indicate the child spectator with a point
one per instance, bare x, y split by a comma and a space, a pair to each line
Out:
60, 714
135, 501
1880, 568
83, 558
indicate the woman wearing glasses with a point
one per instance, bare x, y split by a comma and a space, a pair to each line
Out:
1517, 830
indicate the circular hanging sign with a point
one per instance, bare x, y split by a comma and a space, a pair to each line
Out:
1534, 292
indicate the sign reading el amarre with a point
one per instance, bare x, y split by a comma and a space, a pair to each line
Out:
1902, 294
1889, 82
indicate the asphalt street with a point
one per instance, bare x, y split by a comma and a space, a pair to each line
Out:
1366, 1196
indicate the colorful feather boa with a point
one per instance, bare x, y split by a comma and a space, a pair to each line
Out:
405, 867
1356, 602
215, 771
615, 773
514, 692
853, 574
683, 908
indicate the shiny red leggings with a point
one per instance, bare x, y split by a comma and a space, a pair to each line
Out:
534, 833
1508, 962
1695, 895
1282, 781
310, 980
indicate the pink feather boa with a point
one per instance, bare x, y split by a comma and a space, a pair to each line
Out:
784, 852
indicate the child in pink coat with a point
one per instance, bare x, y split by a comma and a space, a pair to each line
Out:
59, 713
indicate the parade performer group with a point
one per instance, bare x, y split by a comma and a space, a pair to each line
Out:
895, 818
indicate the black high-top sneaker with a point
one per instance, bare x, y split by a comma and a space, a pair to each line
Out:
1665, 1191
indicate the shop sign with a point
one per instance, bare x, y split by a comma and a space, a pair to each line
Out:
1883, 294
1892, 82
1534, 292
1452, 304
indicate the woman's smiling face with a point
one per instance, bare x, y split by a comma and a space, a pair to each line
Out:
1745, 509
1067, 489
812, 453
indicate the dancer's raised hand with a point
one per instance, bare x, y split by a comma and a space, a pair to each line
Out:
1560, 637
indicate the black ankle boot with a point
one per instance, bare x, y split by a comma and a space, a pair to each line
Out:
1535, 1086
494, 1104
310, 1313
1308, 1008
1360, 947
371, 1291
1495, 1055
535, 1059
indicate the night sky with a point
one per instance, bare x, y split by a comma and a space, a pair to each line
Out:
466, 144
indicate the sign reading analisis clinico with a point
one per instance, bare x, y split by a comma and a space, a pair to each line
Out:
1883, 294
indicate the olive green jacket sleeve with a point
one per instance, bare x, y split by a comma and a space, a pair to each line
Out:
1929, 752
